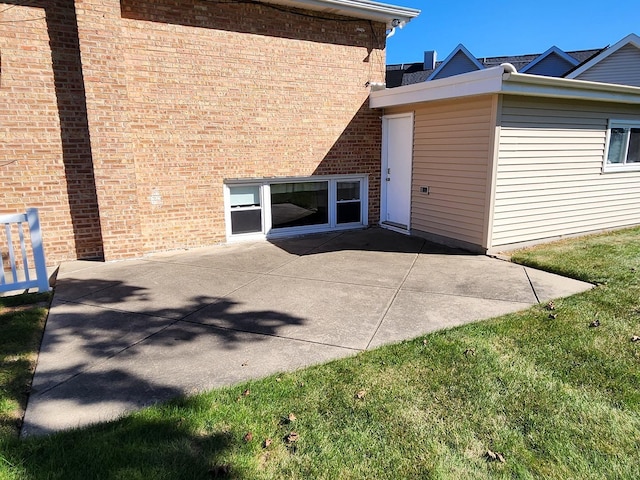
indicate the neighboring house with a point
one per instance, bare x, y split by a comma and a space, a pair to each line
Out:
143, 125
552, 63
494, 159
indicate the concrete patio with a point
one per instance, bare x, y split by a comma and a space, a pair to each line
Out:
128, 334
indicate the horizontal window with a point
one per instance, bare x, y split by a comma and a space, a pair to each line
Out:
290, 206
623, 146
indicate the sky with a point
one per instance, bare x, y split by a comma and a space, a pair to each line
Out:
497, 27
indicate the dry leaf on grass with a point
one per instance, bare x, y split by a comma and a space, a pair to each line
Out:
635, 338
469, 351
495, 456
553, 316
248, 437
246, 393
292, 437
291, 417
360, 394
267, 442
551, 305
594, 324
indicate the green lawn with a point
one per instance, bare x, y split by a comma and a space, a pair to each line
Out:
521, 396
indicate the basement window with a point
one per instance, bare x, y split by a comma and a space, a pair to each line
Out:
291, 206
623, 146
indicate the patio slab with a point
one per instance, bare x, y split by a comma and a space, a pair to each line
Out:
128, 334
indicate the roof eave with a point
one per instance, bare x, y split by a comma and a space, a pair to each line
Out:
365, 9
502, 80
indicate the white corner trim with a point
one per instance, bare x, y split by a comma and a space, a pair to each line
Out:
632, 38
380, 12
474, 83
551, 51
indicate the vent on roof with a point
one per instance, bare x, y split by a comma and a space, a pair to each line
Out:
430, 59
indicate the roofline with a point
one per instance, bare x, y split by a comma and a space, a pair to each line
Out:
465, 52
503, 80
631, 38
366, 9
564, 55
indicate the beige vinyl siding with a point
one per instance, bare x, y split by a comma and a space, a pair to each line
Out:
549, 180
452, 142
621, 67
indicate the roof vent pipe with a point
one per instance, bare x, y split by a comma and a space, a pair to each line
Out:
430, 59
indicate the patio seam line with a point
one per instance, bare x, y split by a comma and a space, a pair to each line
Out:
533, 289
493, 299
192, 322
386, 287
394, 296
124, 311
105, 359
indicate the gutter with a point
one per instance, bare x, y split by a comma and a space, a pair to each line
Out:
391, 15
503, 80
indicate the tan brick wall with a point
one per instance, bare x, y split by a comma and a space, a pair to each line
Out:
44, 145
181, 95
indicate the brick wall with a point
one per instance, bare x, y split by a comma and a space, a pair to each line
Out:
182, 94
45, 155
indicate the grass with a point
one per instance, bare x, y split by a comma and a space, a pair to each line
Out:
554, 397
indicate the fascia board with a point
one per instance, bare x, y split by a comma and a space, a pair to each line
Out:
465, 85
631, 38
539, 86
380, 12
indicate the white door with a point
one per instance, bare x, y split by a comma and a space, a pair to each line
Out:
397, 153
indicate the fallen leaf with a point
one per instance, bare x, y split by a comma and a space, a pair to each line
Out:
246, 393
469, 351
424, 342
553, 316
490, 455
248, 437
551, 305
291, 417
595, 323
293, 437
278, 379
635, 338
360, 394
500, 457
267, 442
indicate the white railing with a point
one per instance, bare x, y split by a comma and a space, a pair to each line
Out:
13, 277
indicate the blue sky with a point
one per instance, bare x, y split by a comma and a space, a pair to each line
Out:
499, 27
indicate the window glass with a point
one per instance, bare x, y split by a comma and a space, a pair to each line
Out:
246, 221
299, 204
348, 191
616, 146
633, 154
243, 196
348, 212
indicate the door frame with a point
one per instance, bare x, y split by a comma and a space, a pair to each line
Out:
385, 164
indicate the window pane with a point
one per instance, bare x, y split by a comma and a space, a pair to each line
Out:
299, 204
348, 212
246, 221
633, 155
245, 196
348, 191
616, 146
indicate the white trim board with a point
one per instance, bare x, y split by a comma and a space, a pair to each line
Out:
503, 79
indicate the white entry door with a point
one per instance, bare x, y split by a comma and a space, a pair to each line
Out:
397, 153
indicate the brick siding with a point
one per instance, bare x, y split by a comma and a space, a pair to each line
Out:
179, 96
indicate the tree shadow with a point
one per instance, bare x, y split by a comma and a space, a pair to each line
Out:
98, 361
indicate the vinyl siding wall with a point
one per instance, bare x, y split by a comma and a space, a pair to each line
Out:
549, 180
621, 67
453, 142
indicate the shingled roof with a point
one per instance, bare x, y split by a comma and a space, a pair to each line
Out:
410, 73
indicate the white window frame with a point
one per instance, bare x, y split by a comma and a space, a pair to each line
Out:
619, 167
265, 204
